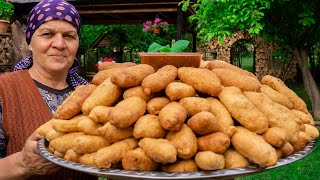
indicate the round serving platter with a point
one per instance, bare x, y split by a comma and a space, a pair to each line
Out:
123, 174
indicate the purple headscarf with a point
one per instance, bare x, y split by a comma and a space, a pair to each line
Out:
47, 10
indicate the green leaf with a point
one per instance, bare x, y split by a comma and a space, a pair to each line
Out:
165, 48
154, 47
179, 45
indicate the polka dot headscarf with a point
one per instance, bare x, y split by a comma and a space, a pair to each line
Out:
47, 10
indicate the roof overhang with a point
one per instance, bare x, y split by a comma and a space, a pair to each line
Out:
115, 11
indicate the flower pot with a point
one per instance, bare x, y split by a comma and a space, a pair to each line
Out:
156, 30
160, 59
4, 26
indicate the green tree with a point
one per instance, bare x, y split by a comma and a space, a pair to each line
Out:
129, 37
293, 23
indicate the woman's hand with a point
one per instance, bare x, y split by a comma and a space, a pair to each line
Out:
31, 161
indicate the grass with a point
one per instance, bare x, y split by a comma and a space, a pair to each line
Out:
305, 168
247, 63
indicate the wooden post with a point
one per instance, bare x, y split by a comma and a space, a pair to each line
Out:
194, 42
179, 23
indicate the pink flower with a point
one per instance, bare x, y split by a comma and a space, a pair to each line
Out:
158, 23
157, 20
146, 28
165, 23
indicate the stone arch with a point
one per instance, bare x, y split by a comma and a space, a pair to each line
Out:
264, 62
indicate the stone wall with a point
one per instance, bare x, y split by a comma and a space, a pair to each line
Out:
6, 49
264, 63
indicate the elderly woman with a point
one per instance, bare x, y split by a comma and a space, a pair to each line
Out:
30, 95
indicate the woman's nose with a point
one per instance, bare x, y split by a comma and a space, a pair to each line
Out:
58, 41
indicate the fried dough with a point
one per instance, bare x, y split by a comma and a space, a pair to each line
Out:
243, 110
209, 84
253, 147
278, 85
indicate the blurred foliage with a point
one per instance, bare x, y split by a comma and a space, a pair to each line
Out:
127, 40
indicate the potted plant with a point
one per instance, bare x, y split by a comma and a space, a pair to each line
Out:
159, 56
155, 26
6, 12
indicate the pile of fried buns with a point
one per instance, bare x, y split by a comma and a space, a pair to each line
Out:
217, 116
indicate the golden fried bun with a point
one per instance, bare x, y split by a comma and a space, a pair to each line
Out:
113, 65
44, 128
203, 123
278, 85
233, 159
159, 150
113, 154
219, 64
311, 131
185, 141
99, 114
53, 134
194, 105
148, 126
114, 134
232, 78
276, 136
253, 147
300, 141
160, 79
306, 118
72, 105
104, 95
84, 144
88, 126
58, 154
243, 110
71, 156
137, 91
172, 116
67, 126
277, 114
87, 159
276, 96
222, 115
186, 165
178, 90
208, 160
103, 75
209, 84
203, 63
127, 112
131, 76
65, 142
286, 149
137, 160
217, 142
155, 105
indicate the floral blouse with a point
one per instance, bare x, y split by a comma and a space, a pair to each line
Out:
52, 97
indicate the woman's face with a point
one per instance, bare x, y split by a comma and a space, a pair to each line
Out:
54, 46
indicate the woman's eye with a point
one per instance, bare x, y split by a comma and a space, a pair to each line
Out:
46, 34
70, 36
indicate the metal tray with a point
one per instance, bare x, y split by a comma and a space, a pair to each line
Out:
123, 174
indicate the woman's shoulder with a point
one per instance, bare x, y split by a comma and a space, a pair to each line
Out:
13, 74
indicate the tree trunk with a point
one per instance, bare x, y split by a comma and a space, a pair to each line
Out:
308, 81
20, 46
